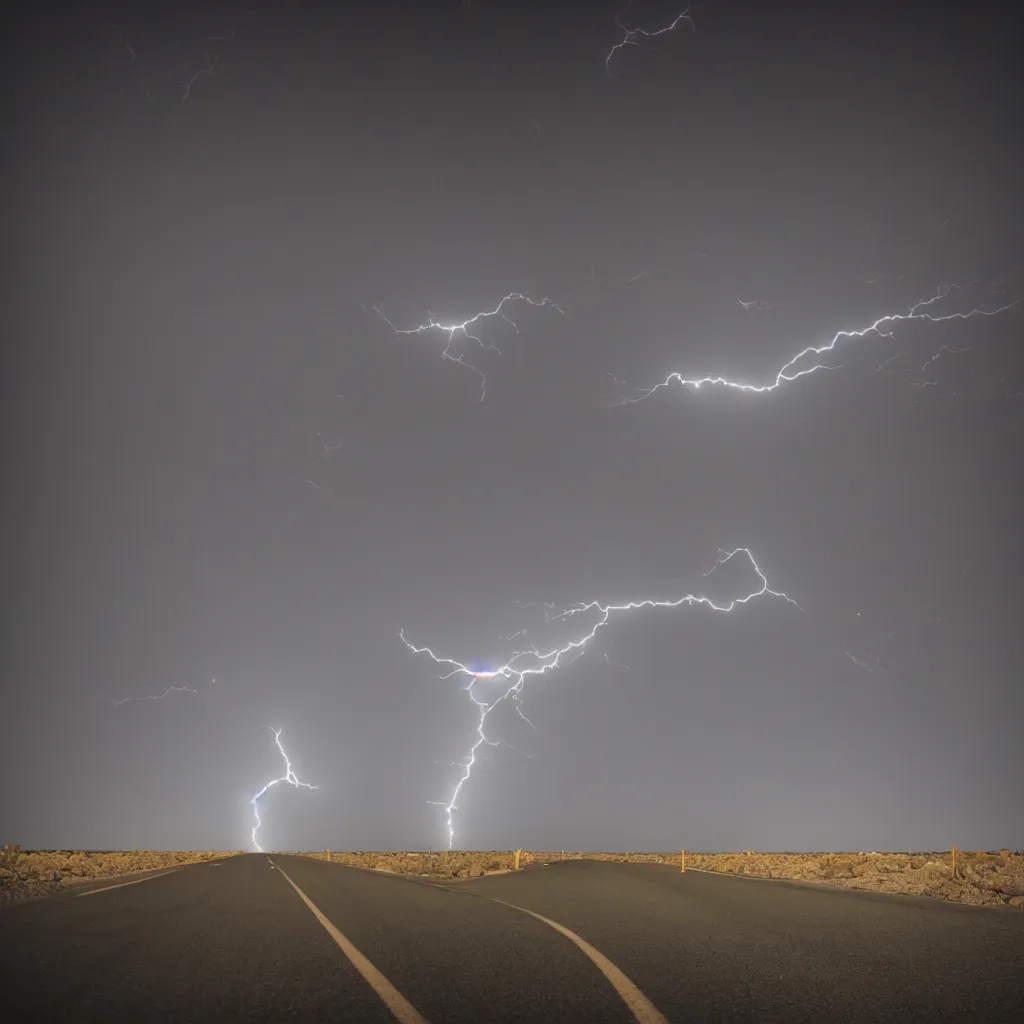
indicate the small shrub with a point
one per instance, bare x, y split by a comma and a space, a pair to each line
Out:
10, 855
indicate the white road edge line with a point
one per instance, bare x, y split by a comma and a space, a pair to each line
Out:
399, 1006
640, 1006
736, 874
121, 885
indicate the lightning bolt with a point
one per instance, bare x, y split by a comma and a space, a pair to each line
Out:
793, 370
463, 330
158, 696
630, 35
533, 662
289, 777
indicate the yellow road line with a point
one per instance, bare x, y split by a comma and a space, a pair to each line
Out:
640, 1006
399, 1006
121, 885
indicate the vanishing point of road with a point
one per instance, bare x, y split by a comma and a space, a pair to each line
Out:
267, 938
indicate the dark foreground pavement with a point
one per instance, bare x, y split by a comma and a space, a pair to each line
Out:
614, 942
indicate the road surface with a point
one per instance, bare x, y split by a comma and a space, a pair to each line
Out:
258, 938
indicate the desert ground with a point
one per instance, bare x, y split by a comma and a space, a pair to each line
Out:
25, 874
979, 878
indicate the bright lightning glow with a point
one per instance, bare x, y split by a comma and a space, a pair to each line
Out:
289, 777
462, 330
792, 370
534, 662
158, 696
629, 35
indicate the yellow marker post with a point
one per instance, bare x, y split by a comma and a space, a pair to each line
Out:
682, 860
954, 860
518, 853
328, 856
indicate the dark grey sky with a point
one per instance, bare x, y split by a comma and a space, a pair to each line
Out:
186, 302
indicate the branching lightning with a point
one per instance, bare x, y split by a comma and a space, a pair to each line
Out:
329, 449
534, 662
943, 350
612, 664
630, 35
864, 663
128, 46
289, 777
211, 63
755, 304
795, 368
158, 696
463, 330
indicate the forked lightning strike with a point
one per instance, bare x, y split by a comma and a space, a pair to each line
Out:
289, 777
793, 370
462, 330
630, 35
533, 662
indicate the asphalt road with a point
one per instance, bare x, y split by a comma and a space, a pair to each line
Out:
265, 938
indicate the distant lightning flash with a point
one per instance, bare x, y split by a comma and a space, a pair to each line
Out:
630, 35
792, 370
462, 330
289, 777
534, 662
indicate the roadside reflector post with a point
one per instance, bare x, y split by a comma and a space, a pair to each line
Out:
328, 856
954, 860
518, 854
682, 860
